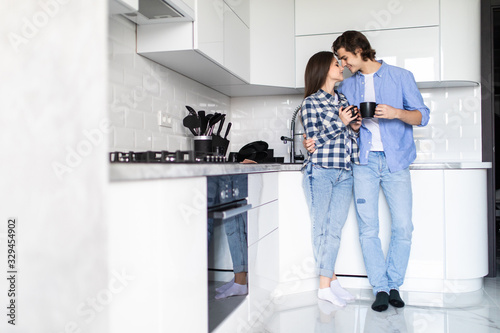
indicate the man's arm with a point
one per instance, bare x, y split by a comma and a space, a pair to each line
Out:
412, 117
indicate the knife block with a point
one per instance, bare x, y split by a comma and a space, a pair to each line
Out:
219, 144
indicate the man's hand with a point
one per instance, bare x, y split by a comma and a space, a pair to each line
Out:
412, 117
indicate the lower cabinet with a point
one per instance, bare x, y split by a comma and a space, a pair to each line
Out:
157, 244
449, 243
263, 247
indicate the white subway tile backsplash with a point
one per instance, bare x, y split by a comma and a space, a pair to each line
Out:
134, 119
160, 142
124, 138
151, 121
117, 116
140, 88
143, 140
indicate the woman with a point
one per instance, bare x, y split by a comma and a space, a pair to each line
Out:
329, 120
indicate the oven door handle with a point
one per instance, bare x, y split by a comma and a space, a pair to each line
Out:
222, 215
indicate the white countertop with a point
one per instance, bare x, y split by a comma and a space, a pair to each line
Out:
148, 171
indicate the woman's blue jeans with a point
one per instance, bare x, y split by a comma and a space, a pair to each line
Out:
383, 273
328, 193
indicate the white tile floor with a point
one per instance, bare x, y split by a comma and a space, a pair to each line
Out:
476, 312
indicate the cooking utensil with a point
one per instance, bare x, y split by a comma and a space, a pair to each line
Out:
256, 145
220, 144
191, 110
193, 123
203, 121
206, 127
227, 130
216, 117
221, 124
255, 151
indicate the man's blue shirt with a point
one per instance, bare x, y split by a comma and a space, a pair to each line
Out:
396, 87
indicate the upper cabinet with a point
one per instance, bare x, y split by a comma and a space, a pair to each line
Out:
123, 6
236, 43
319, 17
414, 49
460, 40
426, 37
272, 40
259, 47
213, 50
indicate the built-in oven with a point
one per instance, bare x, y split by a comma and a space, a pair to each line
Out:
227, 208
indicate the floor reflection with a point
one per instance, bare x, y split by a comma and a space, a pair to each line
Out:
476, 312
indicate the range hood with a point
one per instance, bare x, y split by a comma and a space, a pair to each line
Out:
161, 11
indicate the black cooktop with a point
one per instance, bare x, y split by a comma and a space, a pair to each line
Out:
163, 156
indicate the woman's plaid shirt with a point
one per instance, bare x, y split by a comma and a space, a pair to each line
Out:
336, 144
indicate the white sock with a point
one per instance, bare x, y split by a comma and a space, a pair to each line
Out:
234, 290
340, 292
327, 295
225, 286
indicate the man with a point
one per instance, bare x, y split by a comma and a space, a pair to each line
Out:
386, 149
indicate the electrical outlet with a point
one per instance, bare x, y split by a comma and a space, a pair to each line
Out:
164, 119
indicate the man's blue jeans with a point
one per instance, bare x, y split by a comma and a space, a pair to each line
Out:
328, 193
389, 273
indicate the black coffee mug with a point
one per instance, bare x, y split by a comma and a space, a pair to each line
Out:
367, 109
354, 111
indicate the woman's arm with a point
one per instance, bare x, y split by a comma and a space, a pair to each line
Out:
311, 121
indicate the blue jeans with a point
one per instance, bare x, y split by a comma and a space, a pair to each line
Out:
328, 193
388, 273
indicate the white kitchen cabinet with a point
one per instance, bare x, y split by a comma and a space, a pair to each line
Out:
221, 35
262, 188
157, 235
416, 50
122, 6
449, 243
427, 258
272, 40
240, 8
236, 44
263, 220
213, 50
263, 242
314, 17
460, 42
209, 29
296, 254
466, 240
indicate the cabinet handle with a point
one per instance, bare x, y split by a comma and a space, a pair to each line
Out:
222, 215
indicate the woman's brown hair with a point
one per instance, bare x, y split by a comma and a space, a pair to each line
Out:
351, 41
317, 70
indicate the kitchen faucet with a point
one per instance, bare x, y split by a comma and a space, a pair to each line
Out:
291, 139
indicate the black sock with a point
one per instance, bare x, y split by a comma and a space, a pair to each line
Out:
381, 302
395, 299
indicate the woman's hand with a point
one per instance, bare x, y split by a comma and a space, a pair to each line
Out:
356, 123
345, 114
309, 144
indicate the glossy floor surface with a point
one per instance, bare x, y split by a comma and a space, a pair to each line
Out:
474, 312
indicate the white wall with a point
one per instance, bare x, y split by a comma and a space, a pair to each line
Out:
53, 166
139, 88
